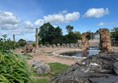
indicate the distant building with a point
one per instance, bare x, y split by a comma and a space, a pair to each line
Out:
97, 36
30, 42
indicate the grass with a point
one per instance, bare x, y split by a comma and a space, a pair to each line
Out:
56, 68
40, 81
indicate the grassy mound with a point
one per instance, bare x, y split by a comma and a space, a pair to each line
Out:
13, 69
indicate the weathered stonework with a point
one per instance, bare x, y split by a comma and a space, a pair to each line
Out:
28, 49
105, 41
85, 45
37, 44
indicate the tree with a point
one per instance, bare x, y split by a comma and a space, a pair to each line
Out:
48, 34
69, 28
72, 37
114, 33
22, 42
6, 44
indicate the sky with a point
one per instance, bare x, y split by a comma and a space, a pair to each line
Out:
21, 17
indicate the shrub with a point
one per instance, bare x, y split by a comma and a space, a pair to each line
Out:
13, 69
22, 42
7, 44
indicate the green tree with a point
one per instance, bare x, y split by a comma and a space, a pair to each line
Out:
69, 28
72, 37
22, 42
58, 35
48, 34
114, 33
6, 44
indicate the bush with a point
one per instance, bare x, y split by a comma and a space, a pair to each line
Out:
33, 44
22, 42
7, 44
13, 69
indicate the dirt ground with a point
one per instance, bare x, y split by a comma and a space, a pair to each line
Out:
45, 54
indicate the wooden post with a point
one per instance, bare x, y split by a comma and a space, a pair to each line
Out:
36, 37
14, 37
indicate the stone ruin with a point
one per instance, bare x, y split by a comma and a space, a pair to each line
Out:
105, 41
85, 45
27, 49
85, 42
63, 45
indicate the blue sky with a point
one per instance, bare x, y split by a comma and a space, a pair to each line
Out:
21, 17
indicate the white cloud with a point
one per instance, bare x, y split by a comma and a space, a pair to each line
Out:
101, 24
96, 12
39, 22
11, 24
107, 23
28, 25
8, 20
62, 17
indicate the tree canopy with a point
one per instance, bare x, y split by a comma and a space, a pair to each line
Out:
114, 33
69, 28
49, 34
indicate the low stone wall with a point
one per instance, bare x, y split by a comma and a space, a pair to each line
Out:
68, 45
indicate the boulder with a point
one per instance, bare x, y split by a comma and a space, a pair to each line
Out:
41, 67
115, 67
94, 69
63, 45
53, 45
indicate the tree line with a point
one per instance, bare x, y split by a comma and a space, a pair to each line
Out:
48, 34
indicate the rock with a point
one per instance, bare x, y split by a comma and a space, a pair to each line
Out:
115, 67
40, 67
108, 79
63, 45
41, 45
68, 45
58, 45
53, 45
94, 69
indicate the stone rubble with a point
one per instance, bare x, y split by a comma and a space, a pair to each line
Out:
101, 68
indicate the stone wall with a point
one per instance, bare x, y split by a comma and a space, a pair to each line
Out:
68, 45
